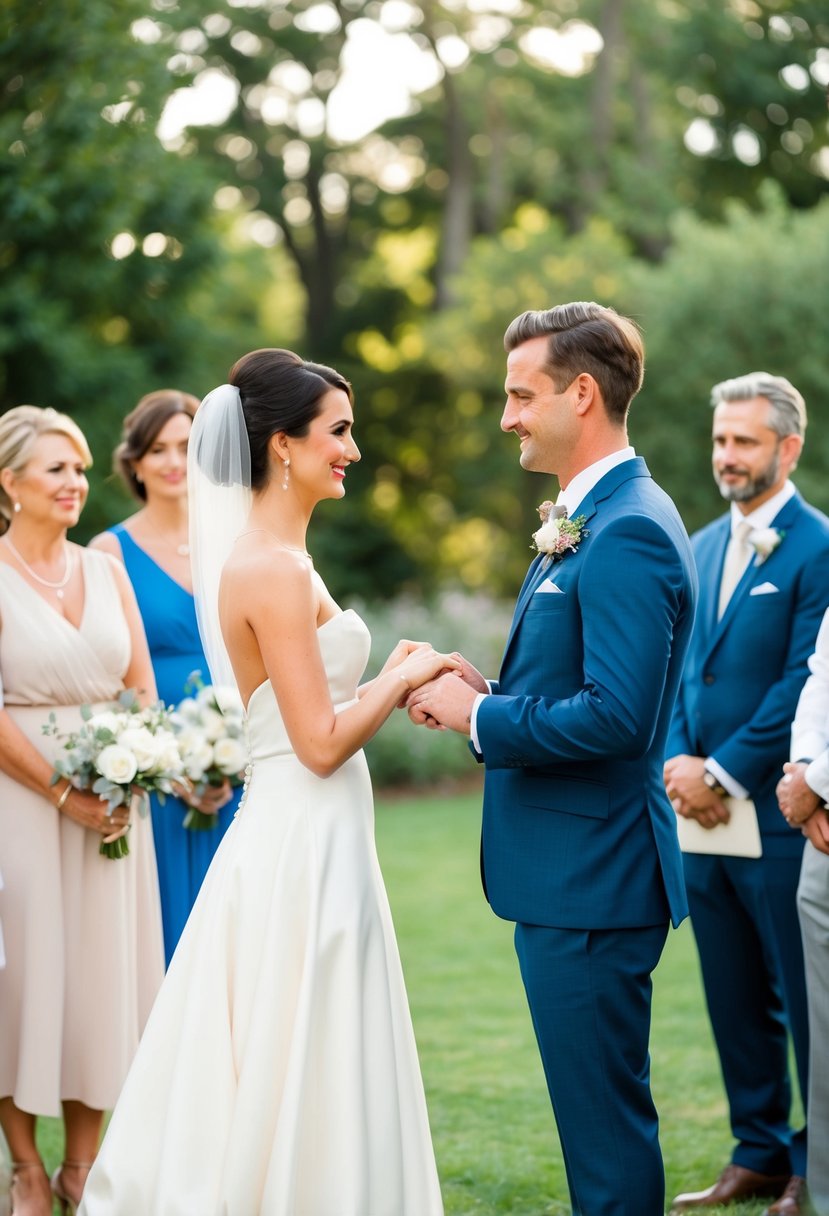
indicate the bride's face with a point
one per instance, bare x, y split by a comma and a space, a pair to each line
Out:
320, 459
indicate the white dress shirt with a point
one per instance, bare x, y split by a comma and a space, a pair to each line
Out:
570, 497
762, 517
810, 729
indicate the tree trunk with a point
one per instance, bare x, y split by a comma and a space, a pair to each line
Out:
595, 174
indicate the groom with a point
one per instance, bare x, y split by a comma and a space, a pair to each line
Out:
579, 838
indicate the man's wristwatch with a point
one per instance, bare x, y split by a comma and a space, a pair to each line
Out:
713, 784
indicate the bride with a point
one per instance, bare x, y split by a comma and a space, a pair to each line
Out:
278, 1074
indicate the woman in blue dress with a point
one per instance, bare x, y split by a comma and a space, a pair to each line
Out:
153, 545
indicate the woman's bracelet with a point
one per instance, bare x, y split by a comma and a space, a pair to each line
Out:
67, 790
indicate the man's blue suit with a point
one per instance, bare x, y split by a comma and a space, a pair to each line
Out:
579, 839
737, 701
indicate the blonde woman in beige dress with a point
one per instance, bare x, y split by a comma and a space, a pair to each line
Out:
82, 932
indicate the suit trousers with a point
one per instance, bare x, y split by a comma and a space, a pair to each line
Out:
744, 915
813, 906
589, 993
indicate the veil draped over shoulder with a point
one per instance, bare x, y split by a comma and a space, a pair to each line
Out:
219, 493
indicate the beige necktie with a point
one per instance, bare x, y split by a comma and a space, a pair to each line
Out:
737, 556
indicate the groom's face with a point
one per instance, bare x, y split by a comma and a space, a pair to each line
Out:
543, 419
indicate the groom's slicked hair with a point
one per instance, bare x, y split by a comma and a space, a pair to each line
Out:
280, 392
587, 337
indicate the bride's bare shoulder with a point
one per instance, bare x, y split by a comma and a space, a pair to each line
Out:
257, 567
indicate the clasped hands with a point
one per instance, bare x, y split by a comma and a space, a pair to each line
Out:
802, 807
87, 809
689, 794
445, 703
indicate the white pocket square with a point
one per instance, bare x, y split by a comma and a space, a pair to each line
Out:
764, 589
546, 587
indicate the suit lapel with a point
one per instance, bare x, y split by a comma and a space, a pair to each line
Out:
784, 519
709, 592
587, 507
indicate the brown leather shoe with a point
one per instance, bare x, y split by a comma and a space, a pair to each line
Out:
793, 1201
735, 1182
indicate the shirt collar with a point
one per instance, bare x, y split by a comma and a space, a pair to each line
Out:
763, 516
581, 485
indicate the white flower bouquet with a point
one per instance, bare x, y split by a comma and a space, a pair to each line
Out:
210, 731
117, 752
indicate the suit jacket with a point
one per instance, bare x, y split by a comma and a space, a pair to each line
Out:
577, 829
744, 673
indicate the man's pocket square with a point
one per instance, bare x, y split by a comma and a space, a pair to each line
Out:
764, 589
546, 587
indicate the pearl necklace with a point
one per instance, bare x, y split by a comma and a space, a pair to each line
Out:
57, 586
183, 549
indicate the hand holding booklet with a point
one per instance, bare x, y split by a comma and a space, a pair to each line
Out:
740, 837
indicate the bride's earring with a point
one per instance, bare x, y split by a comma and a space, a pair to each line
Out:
287, 475
17, 507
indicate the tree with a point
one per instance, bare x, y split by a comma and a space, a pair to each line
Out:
105, 233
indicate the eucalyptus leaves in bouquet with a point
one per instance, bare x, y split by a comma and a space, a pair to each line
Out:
210, 729
119, 752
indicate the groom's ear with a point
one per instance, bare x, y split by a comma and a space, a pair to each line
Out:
588, 393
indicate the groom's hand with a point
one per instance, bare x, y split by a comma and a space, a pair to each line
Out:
470, 675
444, 704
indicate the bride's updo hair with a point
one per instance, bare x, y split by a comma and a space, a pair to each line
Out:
280, 392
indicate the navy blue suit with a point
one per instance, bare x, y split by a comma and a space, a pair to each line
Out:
737, 701
579, 839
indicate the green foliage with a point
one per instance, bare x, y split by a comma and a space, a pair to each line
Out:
728, 298
746, 295
83, 328
400, 256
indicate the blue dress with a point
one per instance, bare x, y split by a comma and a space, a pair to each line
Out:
169, 615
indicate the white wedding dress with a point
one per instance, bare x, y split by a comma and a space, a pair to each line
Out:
278, 1073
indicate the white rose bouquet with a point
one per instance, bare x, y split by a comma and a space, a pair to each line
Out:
118, 751
210, 731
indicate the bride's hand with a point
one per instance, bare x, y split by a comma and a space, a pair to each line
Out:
425, 664
402, 651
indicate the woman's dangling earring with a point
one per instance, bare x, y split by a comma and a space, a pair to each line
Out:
17, 507
287, 476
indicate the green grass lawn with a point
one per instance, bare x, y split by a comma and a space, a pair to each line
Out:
494, 1136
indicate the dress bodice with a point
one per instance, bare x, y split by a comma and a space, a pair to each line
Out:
345, 643
44, 658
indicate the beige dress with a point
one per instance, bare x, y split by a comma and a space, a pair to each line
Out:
84, 955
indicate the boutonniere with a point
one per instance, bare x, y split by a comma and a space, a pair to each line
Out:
764, 541
557, 535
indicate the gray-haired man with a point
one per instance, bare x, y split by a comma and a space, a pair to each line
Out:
764, 574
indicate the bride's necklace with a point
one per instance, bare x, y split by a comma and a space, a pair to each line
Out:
281, 543
56, 586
